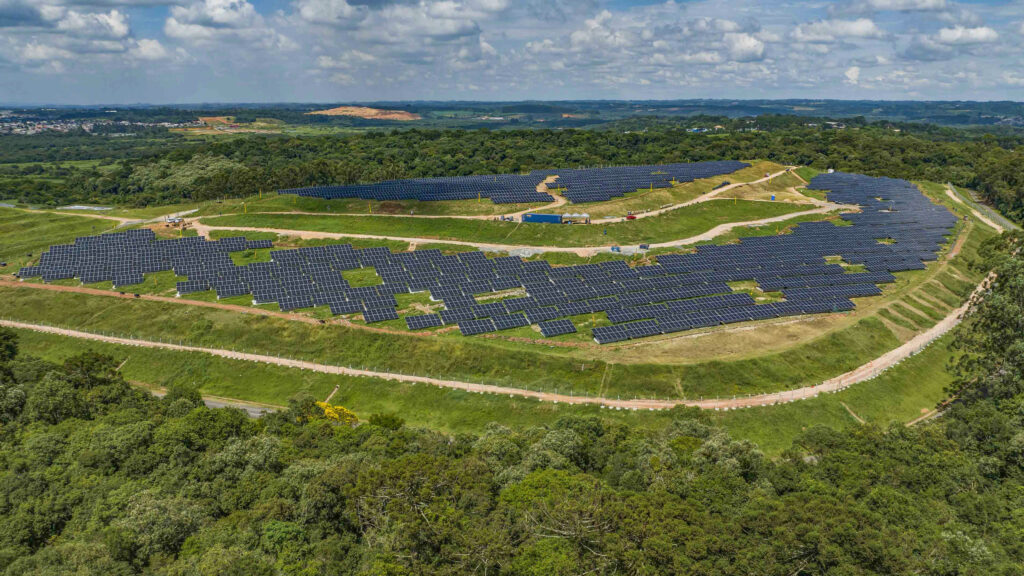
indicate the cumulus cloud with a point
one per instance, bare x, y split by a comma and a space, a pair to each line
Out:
825, 31
852, 75
227, 21
1013, 78
113, 24
348, 59
962, 35
596, 34
21, 13
337, 13
148, 49
744, 47
36, 51
925, 48
905, 5
523, 48
960, 16
216, 14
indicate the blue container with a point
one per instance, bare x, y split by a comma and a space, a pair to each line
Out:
543, 218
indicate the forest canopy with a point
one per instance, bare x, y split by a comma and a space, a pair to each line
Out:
169, 168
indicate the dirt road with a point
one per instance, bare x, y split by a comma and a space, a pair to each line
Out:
860, 374
558, 202
995, 226
584, 251
703, 198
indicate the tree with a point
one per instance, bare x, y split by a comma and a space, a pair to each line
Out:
992, 334
8, 345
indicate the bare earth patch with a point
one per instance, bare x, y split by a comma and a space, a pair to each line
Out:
368, 113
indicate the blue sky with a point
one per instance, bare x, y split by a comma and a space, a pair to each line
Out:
171, 51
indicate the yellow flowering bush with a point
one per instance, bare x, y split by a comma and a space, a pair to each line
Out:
338, 413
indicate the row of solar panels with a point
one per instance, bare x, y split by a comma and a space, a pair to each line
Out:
793, 263
581, 185
500, 189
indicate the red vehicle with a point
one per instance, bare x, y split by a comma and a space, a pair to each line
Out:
631, 217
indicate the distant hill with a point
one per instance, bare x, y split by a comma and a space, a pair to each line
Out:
369, 113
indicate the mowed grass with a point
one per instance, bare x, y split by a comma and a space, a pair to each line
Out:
781, 188
806, 172
677, 224
897, 395
274, 202
637, 201
644, 200
900, 394
23, 232
481, 360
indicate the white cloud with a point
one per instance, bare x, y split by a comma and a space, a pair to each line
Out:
961, 16
148, 49
349, 59
36, 51
395, 49
744, 47
825, 31
905, 5
852, 74
331, 12
702, 57
597, 35
230, 21
961, 35
113, 24
217, 13
925, 48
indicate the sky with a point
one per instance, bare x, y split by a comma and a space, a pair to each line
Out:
192, 51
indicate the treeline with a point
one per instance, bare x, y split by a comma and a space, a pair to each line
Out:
97, 477
173, 170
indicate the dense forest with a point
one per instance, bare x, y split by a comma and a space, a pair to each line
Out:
169, 168
97, 477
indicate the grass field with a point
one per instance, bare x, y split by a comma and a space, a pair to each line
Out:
270, 201
652, 199
24, 232
899, 394
673, 225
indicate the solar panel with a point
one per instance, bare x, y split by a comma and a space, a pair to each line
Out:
471, 327
421, 322
896, 229
556, 328
372, 315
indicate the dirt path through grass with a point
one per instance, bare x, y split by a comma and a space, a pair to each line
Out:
860, 374
204, 230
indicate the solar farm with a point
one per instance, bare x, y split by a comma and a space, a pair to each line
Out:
896, 229
577, 185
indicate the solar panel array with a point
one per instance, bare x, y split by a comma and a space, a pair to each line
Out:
581, 185
501, 189
601, 184
897, 229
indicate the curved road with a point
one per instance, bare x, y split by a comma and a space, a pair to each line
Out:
859, 374
585, 251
